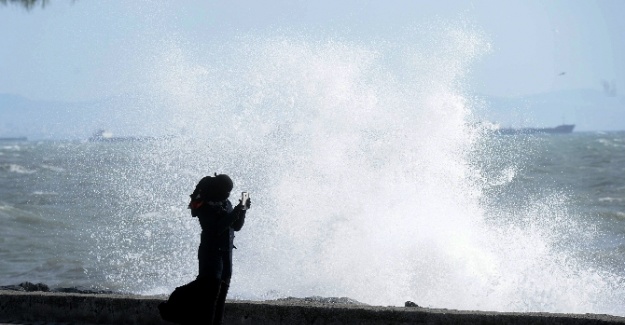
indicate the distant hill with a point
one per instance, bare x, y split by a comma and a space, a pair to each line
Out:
588, 109
19, 116
37, 119
143, 115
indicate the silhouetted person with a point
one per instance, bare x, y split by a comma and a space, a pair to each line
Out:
203, 300
219, 221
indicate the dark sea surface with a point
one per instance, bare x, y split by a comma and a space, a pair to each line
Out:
548, 234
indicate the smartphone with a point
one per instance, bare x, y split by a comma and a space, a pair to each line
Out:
244, 198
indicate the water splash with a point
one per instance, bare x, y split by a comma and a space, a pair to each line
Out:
368, 178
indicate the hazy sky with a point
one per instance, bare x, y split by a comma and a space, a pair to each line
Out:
79, 50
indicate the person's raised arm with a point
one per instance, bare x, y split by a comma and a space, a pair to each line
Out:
234, 219
240, 220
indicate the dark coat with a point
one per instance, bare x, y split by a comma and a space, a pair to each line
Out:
219, 221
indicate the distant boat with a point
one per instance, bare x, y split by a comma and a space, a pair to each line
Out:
560, 129
106, 136
13, 139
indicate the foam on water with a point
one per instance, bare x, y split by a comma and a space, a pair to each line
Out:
361, 163
15, 168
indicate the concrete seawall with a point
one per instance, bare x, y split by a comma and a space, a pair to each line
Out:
38, 307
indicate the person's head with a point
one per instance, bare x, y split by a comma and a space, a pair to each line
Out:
223, 186
215, 188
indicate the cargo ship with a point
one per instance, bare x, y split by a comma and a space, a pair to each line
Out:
560, 129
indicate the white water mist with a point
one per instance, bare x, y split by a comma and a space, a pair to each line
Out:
359, 160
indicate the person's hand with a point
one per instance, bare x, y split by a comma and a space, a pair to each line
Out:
248, 205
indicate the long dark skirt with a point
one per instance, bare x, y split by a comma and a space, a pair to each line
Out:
203, 300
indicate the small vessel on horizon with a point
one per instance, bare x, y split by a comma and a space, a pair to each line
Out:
107, 136
560, 129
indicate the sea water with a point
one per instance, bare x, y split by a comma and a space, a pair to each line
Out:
369, 178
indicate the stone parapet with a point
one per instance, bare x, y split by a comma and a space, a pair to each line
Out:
41, 307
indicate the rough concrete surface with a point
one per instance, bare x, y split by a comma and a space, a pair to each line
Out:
63, 308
